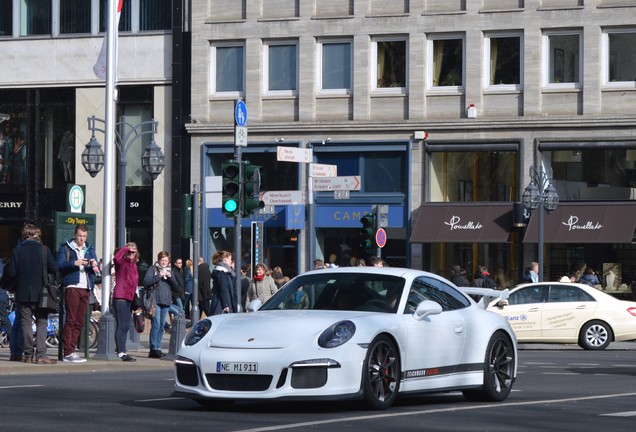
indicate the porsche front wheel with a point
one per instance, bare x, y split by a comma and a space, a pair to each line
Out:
499, 367
381, 373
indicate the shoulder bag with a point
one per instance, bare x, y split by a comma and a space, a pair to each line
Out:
51, 292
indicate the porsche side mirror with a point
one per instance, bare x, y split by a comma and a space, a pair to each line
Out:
426, 308
254, 305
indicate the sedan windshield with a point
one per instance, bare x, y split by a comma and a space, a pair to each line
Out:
339, 291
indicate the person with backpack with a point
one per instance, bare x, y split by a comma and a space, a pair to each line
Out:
483, 279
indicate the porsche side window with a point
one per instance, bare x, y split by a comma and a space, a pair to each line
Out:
432, 289
526, 295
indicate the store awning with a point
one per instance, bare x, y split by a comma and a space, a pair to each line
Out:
585, 222
463, 223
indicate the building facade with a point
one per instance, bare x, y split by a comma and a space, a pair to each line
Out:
48, 90
440, 107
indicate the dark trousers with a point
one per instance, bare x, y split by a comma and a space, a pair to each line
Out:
27, 311
4, 317
123, 314
75, 304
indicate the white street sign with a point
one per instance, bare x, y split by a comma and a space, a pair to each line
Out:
213, 183
213, 199
240, 136
323, 170
290, 197
293, 154
336, 183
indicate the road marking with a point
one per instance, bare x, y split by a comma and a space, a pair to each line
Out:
21, 386
432, 411
621, 414
159, 399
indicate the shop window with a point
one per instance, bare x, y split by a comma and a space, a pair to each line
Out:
281, 68
132, 115
503, 60
473, 176
228, 70
447, 62
6, 18
335, 66
75, 16
563, 59
620, 58
391, 64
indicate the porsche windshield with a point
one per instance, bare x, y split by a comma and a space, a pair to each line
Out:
340, 291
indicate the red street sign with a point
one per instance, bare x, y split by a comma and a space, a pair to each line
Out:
380, 237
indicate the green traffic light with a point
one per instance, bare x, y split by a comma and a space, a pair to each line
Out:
230, 206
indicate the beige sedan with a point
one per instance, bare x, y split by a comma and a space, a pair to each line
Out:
567, 313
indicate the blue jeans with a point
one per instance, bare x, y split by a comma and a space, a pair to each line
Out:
156, 327
176, 308
16, 344
122, 321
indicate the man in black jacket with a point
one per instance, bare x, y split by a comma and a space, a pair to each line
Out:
26, 265
205, 290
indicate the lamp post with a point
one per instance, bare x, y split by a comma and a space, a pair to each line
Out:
152, 160
93, 160
541, 195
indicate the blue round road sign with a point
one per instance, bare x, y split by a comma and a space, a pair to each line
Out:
240, 113
380, 237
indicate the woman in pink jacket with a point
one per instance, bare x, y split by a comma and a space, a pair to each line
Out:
126, 279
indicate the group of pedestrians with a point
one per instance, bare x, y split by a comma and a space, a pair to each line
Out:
482, 279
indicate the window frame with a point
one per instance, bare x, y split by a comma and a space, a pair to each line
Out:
606, 58
266, 47
487, 63
213, 69
545, 58
319, 64
430, 59
374, 65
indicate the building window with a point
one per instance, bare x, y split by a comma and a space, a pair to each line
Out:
35, 17
281, 68
75, 16
228, 69
563, 59
447, 62
620, 57
124, 18
473, 176
6, 18
503, 61
391, 64
335, 66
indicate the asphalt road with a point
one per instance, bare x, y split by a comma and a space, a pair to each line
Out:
561, 388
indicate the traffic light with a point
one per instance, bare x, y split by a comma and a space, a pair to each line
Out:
186, 216
251, 189
231, 186
367, 233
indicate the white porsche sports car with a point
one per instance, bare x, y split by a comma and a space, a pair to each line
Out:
353, 332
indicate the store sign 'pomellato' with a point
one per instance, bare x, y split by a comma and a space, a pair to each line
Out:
455, 223
573, 224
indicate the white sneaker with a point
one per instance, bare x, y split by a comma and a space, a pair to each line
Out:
74, 358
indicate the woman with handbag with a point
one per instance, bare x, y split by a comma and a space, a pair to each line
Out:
124, 293
159, 282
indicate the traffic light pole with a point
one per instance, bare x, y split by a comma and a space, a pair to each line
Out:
238, 156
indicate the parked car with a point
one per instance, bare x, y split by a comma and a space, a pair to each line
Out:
567, 313
351, 333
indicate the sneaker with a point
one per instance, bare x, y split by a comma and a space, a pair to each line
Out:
74, 358
127, 358
45, 360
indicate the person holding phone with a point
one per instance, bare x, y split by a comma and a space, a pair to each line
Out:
78, 265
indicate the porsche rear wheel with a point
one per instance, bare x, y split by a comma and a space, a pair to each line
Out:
381, 373
499, 368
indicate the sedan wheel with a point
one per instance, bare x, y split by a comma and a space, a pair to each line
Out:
381, 374
498, 371
595, 335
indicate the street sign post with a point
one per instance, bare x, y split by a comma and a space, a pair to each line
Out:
290, 197
336, 183
380, 237
293, 154
240, 113
324, 170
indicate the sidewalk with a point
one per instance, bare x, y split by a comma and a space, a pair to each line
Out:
91, 365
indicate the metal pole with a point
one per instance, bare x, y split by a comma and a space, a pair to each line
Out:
237, 229
121, 202
106, 344
194, 312
540, 209
311, 231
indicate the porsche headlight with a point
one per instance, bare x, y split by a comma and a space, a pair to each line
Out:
197, 332
337, 334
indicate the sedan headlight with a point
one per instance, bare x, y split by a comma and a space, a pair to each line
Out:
197, 332
337, 334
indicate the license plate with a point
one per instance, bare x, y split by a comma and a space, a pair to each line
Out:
236, 367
